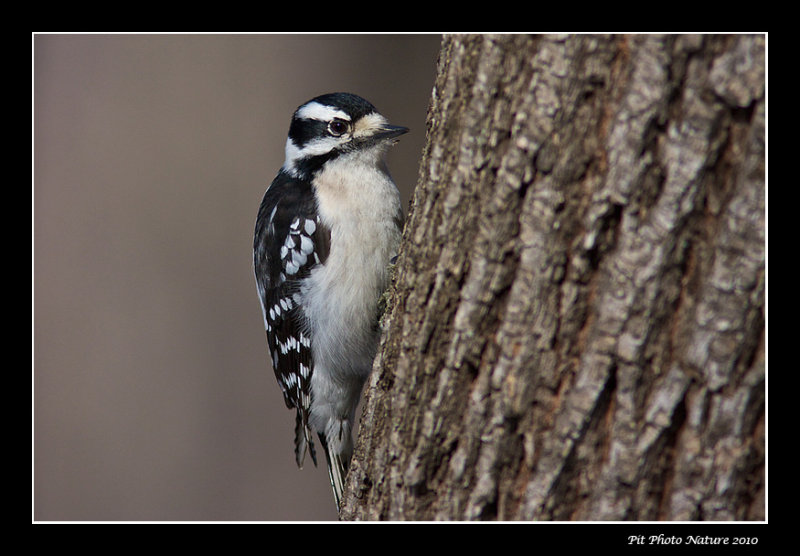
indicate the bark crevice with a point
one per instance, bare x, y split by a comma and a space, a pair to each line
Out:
577, 326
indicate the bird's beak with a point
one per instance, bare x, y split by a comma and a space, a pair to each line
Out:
387, 131
372, 133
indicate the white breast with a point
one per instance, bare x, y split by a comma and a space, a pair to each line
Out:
359, 203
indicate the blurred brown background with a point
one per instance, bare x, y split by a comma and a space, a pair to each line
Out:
153, 395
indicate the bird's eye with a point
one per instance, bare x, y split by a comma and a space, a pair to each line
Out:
337, 128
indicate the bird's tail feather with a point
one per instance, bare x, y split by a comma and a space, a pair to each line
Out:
337, 469
302, 441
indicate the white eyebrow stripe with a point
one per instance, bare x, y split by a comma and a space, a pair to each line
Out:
317, 111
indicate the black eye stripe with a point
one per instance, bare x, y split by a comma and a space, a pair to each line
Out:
303, 131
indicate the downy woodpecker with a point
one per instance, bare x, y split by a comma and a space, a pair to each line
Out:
326, 230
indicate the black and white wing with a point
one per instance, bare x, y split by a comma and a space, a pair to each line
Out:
289, 242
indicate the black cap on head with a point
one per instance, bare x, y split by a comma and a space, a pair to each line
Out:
354, 105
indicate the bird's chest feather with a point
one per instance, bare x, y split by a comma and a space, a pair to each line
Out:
360, 205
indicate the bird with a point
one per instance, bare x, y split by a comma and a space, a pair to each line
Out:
327, 229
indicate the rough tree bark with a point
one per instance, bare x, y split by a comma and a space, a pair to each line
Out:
576, 330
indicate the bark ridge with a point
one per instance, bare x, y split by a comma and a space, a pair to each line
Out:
576, 330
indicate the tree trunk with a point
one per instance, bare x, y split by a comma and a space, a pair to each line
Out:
576, 330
